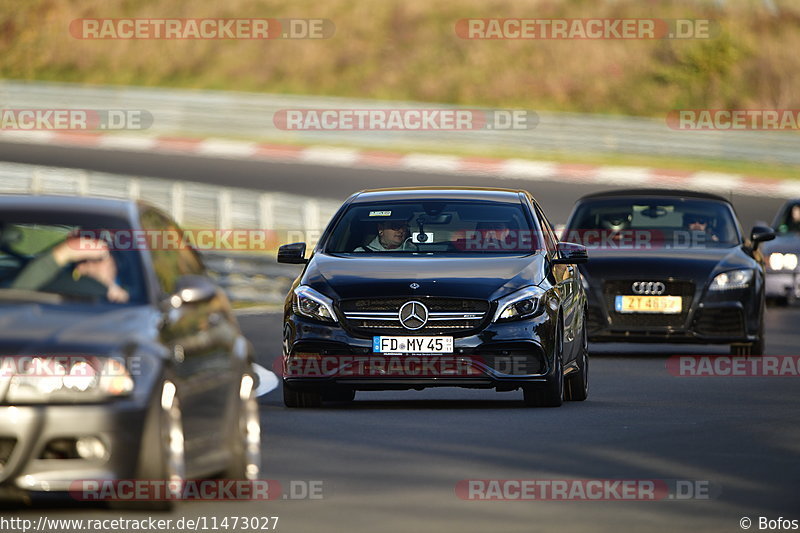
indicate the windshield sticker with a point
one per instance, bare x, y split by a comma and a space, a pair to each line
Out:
380, 213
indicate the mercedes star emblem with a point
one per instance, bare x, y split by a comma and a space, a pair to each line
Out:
413, 315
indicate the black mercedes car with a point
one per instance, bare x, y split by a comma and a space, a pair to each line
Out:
119, 359
410, 288
670, 266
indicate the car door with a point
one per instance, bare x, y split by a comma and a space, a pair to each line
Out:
201, 336
567, 281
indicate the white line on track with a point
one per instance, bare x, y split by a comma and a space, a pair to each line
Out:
267, 381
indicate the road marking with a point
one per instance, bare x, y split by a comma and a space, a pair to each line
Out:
434, 163
227, 148
267, 381
330, 156
127, 142
532, 170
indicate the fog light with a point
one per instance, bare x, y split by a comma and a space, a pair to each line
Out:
91, 448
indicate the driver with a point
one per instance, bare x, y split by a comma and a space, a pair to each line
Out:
792, 223
699, 224
392, 235
76, 266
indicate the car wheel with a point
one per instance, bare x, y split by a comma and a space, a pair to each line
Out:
245, 444
162, 455
301, 398
551, 392
577, 384
339, 394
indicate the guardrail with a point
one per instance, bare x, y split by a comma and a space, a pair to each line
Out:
250, 116
245, 276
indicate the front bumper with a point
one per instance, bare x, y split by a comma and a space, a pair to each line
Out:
117, 424
501, 356
724, 318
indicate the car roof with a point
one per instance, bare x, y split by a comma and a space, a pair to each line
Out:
448, 193
70, 204
667, 193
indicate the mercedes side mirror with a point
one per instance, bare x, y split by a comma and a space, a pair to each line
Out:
571, 254
293, 254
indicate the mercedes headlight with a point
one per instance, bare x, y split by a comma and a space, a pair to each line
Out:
733, 279
65, 378
779, 261
310, 303
523, 303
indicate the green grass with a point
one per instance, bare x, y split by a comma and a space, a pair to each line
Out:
408, 50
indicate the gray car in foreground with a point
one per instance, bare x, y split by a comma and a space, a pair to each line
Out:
120, 360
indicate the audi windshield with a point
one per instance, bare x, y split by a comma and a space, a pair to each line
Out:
662, 222
431, 227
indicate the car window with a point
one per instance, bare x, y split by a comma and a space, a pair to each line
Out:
170, 263
550, 239
653, 222
436, 227
789, 220
30, 243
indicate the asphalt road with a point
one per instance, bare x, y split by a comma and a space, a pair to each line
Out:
391, 460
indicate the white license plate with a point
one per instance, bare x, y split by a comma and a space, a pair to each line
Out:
412, 345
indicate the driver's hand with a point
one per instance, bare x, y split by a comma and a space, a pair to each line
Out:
117, 294
77, 249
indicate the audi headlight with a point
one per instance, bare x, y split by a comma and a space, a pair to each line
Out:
779, 261
733, 279
65, 378
310, 303
523, 303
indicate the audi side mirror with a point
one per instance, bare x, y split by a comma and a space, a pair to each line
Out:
761, 234
293, 254
571, 254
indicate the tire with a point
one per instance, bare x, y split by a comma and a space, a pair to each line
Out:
301, 398
577, 384
162, 453
339, 394
245, 443
551, 392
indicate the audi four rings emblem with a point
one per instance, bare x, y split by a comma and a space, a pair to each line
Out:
648, 287
413, 315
